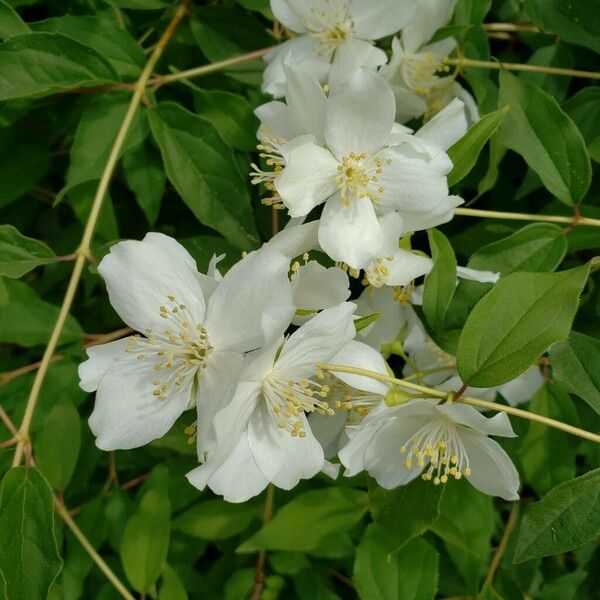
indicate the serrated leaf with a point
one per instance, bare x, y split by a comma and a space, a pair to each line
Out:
309, 521
546, 137
37, 64
20, 254
514, 323
57, 444
576, 366
380, 573
536, 247
116, 45
466, 151
29, 558
202, 169
566, 518
440, 282
145, 541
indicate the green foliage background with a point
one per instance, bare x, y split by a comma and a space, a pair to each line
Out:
65, 70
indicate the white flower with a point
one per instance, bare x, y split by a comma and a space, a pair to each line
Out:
193, 331
415, 68
336, 37
434, 366
263, 434
370, 167
351, 396
439, 441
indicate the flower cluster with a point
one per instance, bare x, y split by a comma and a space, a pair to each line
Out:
243, 351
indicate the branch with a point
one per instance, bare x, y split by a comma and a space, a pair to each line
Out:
508, 529
499, 214
259, 577
84, 247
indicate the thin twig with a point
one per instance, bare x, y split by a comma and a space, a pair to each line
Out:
512, 216
8, 422
84, 246
259, 577
448, 396
513, 27
508, 529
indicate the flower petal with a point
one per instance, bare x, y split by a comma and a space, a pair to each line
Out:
100, 359
380, 18
358, 354
316, 341
296, 240
141, 276
360, 115
467, 415
307, 180
252, 304
351, 56
350, 234
447, 127
477, 275
424, 22
286, 15
275, 121
126, 413
329, 431
524, 387
317, 287
492, 471
441, 213
283, 458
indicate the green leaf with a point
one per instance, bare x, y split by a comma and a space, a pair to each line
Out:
547, 454
140, 4
310, 521
546, 137
57, 444
440, 282
231, 114
566, 518
203, 171
21, 169
116, 45
407, 511
26, 320
96, 133
29, 559
146, 178
38, 64
20, 254
145, 541
363, 322
215, 519
551, 56
584, 109
10, 22
575, 22
171, 587
514, 323
466, 151
536, 247
576, 366
380, 573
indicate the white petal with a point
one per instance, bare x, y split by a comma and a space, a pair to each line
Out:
140, 277
252, 304
471, 108
296, 240
126, 413
317, 287
100, 359
467, 415
286, 14
329, 431
441, 213
172, 245
358, 354
403, 268
392, 227
492, 471
306, 101
524, 387
351, 56
275, 121
374, 19
424, 22
215, 390
284, 459
409, 105
317, 341
350, 234
360, 115
447, 127
477, 275
307, 180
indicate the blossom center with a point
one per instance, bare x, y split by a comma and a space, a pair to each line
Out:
330, 26
438, 445
358, 177
288, 399
270, 150
179, 351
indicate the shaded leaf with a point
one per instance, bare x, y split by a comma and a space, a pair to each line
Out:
20, 254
